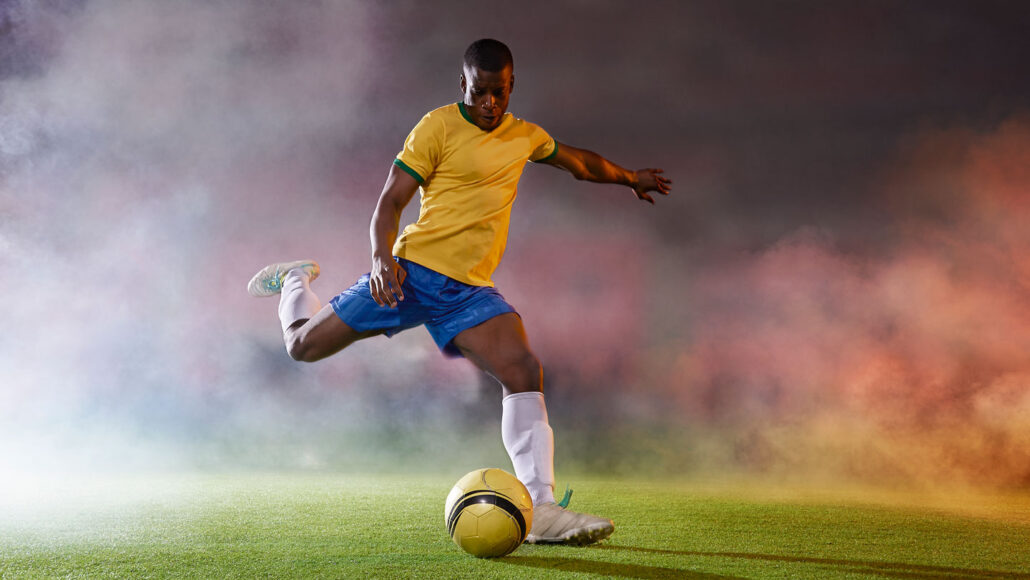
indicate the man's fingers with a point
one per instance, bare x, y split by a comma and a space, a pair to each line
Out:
383, 290
395, 294
391, 289
401, 275
386, 295
661, 182
373, 289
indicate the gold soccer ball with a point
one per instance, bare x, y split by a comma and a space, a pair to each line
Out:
488, 513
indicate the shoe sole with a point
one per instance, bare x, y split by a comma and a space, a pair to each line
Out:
577, 537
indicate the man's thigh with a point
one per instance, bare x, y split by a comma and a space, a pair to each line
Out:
498, 345
324, 334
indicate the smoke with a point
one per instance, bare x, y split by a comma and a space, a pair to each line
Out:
907, 363
153, 157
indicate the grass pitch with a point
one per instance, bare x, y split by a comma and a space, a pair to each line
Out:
342, 526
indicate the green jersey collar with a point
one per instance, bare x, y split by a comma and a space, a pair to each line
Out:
465, 114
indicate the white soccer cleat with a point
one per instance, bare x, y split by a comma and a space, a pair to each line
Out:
553, 524
269, 281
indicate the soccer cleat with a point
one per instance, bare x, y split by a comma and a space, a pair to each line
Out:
553, 524
269, 280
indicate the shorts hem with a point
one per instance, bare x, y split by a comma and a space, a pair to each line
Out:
447, 346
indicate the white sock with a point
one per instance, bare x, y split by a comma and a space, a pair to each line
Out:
530, 443
297, 301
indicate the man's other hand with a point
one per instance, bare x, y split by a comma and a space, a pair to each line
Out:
651, 179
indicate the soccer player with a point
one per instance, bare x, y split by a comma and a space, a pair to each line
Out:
466, 158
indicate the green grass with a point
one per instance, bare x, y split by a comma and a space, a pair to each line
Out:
289, 525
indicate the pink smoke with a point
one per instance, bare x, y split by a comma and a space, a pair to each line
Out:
911, 363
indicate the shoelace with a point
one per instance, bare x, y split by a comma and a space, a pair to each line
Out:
275, 283
564, 503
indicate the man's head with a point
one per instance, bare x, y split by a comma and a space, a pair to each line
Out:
487, 80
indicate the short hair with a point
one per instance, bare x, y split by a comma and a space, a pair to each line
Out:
489, 55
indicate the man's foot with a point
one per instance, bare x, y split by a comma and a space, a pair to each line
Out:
269, 281
553, 524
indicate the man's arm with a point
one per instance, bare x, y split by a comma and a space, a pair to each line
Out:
583, 164
387, 275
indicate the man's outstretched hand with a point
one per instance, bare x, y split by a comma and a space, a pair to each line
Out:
651, 180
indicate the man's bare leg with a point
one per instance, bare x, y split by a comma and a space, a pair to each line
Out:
324, 334
311, 332
500, 348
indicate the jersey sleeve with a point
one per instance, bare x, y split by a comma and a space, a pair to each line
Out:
422, 149
545, 147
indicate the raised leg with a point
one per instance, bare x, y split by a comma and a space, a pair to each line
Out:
311, 332
324, 334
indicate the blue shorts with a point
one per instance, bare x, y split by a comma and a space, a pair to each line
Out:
445, 305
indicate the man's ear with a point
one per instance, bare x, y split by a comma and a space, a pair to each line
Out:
462, 83
511, 85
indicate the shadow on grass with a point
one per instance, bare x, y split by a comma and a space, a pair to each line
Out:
610, 569
885, 569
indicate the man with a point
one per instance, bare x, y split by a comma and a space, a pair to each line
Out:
467, 159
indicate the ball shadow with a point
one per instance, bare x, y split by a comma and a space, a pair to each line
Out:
609, 569
870, 567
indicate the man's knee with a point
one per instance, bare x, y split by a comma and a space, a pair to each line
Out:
313, 342
522, 374
300, 348
297, 350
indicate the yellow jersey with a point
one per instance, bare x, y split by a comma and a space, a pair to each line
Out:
468, 180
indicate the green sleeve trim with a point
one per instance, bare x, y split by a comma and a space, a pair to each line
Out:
409, 171
464, 113
553, 153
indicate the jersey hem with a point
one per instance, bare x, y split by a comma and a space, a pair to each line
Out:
430, 264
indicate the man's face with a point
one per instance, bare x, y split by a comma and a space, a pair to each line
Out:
486, 95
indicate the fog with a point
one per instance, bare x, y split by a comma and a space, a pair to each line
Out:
837, 287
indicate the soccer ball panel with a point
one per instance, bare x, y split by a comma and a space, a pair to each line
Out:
488, 513
502, 528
